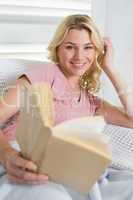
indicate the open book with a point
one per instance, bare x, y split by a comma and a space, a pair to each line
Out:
74, 153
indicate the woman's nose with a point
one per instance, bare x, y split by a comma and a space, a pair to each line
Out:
78, 54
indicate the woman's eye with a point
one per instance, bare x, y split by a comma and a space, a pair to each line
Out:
88, 47
69, 47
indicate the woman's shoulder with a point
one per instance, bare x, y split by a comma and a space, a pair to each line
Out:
41, 68
41, 72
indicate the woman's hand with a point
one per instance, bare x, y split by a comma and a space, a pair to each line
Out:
21, 171
108, 60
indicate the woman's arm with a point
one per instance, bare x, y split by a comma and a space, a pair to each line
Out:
114, 115
10, 104
111, 113
18, 169
124, 92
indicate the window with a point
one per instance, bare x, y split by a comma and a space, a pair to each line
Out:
27, 25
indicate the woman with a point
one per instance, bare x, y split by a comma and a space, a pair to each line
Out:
79, 54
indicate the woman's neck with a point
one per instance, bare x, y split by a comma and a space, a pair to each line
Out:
74, 83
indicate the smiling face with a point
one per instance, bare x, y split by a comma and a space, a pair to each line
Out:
76, 53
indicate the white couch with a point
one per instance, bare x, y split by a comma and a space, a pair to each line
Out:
10, 69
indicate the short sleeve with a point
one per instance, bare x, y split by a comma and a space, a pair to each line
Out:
43, 72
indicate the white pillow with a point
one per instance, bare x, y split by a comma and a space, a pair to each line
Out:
11, 69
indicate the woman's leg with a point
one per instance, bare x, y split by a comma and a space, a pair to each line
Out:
49, 191
119, 185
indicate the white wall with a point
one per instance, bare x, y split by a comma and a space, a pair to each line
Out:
115, 18
119, 26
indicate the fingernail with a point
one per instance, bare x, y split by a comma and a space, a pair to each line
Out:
34, 167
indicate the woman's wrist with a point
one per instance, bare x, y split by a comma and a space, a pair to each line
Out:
5, 147
6, 151
111, 71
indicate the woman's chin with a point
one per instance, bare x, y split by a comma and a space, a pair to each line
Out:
79, 71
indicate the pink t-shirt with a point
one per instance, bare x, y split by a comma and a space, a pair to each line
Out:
66, 104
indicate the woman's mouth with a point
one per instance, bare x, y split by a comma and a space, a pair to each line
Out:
78, 65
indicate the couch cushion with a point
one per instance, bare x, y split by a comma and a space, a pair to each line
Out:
10, 69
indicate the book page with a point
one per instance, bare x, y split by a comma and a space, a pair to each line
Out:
83, 128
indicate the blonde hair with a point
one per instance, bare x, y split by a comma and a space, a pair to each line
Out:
91, 78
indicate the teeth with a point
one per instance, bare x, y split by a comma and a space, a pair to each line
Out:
78, 65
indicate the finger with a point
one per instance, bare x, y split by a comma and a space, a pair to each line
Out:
107, 39
13, 170
23, 163
108, 42
14, 179
26, 175
33, 177
27, 178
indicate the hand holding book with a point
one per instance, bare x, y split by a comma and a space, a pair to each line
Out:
74, 152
